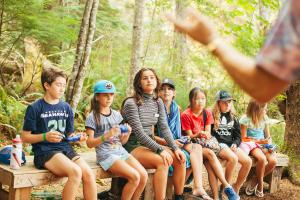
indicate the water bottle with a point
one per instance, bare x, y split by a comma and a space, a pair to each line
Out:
16, 153
123, 129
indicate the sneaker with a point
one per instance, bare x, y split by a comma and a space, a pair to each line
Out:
179, 197
230, 193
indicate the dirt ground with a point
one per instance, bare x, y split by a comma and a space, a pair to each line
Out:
287, 191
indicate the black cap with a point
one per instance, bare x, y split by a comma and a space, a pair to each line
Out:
167, 81
223, 95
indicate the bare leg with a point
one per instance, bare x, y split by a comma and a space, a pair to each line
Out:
62, 166
151, 160
122, 169
143, 176
179, 173
271, 163
212, 179
196, 158
246, 164
216, 165
88, 179
260, 168
231, 163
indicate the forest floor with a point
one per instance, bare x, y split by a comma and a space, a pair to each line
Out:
287, 191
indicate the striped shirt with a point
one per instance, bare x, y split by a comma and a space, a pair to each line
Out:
144, 117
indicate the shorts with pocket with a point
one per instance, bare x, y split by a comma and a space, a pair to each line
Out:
247, 147
40, 160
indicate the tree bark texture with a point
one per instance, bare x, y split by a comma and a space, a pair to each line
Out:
180, 44
292, 131
80, 48
137, 43
83, 52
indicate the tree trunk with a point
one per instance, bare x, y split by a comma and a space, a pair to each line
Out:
180, 44
80, 47
82, 53
137, 43
292, 131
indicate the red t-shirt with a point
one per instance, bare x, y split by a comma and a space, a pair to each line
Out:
190, 121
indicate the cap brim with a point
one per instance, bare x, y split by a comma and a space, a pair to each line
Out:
172, 86
227, 99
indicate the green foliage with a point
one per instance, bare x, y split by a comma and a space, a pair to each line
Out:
56, 27
11, 113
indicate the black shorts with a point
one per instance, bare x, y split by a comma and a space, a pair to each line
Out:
40, 160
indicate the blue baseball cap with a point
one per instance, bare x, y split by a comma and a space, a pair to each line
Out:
104, 86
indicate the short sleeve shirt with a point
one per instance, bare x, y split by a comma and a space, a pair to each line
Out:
280, 55
190, 121
105, 149
252, 131
41, 117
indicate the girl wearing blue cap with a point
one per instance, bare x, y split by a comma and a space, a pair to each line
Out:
102, 127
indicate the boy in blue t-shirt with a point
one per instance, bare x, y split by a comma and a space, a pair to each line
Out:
47, 122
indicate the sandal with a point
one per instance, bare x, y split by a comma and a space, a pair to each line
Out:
201, 196
259, 194
250, 190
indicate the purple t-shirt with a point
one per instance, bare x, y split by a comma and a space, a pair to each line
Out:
280, 55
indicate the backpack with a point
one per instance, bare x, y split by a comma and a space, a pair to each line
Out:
5, 155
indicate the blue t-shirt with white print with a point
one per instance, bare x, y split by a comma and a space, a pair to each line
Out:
42, 117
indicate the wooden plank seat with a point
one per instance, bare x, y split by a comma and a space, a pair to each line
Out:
20, 182
272, 179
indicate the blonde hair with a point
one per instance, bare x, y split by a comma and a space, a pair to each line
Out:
216, 114
255, 111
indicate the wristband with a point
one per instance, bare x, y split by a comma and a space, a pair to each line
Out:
212, 45
102, 138
159, 150
44, 136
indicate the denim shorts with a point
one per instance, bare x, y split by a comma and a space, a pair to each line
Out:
108, 162
223, 146
40, 160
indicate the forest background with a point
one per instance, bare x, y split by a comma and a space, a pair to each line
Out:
121, 37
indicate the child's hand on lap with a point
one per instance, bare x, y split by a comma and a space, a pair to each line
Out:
54, 136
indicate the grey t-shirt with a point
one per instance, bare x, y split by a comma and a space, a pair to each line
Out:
105, 149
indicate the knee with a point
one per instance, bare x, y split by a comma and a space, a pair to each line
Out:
233, 159
134, 178
209, 154
143, 177
262, 160
88, 175
272, 162
247, 162
75, 173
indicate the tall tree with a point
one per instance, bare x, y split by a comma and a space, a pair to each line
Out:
84, 45
137, 43
180, 43
292, 131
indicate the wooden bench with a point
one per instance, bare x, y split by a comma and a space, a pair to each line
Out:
272, 179
20, 182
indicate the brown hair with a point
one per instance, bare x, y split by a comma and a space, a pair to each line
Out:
138, 90
255, 111
50, 74
216, 114
95, 107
